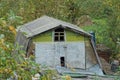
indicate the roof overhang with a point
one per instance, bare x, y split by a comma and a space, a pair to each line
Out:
46, 23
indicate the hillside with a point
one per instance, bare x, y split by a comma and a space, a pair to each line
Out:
104, 20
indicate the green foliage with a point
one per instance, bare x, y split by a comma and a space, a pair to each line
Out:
114, 25
12, 61
5, 30
99, 27
13, 19
67, 10
15, 13
48, 75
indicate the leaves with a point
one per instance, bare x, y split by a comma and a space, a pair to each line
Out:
14, 62
68, 10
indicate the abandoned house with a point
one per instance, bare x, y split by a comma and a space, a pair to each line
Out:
58, 43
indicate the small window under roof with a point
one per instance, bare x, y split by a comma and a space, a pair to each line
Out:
59, 34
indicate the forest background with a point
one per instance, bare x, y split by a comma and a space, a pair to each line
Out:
105, 16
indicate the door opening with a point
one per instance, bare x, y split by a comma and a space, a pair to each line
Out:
62, 61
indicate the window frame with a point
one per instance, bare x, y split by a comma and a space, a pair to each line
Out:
59, 34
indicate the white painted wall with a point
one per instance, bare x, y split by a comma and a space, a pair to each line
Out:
49, 54
76, 55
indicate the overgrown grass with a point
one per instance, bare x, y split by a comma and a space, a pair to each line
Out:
100, 28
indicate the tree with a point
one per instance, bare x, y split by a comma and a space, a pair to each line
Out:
114, 25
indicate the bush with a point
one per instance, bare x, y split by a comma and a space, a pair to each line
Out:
13, 62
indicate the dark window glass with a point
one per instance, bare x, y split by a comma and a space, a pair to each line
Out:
59, 30
56, 33
59, 34
56, 38
61, 38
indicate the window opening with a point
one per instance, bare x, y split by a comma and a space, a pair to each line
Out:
62, 61
59, 34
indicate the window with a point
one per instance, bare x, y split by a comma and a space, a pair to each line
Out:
59, 34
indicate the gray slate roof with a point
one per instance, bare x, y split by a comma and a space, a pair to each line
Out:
45, 23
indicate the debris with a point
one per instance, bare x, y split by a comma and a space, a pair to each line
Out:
114, 65
106, 66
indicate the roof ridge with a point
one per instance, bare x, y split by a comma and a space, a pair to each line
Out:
45, 23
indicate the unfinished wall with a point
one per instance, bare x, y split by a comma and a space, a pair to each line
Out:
91, 59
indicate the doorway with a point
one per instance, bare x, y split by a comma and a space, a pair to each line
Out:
62, 61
